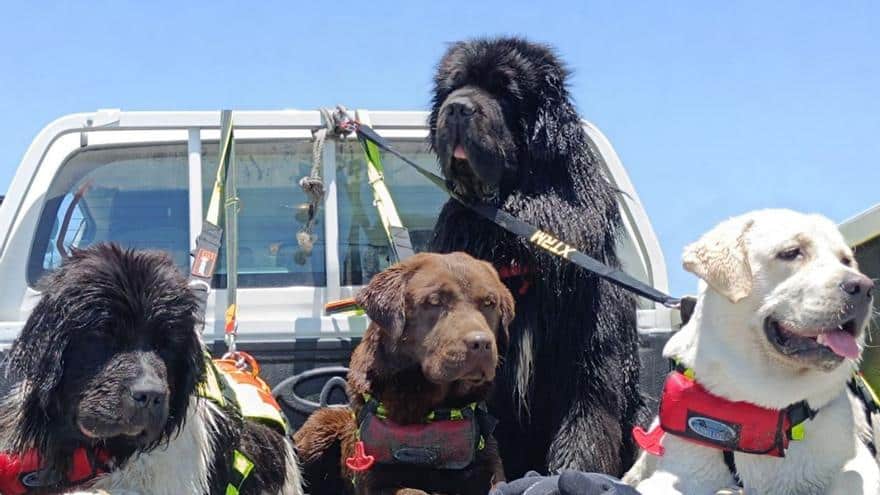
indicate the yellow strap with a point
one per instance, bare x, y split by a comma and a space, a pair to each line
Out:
454, 414
243, 466
798, 431
210, 388
868, 386
382, 199
213, 214
231, 313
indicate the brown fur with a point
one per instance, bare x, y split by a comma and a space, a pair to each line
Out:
417, 356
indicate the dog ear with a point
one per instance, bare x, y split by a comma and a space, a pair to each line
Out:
555, 133
721, 258
36, 355
384, 301
506, 305
35, 365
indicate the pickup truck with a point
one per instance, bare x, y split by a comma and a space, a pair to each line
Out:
143, 179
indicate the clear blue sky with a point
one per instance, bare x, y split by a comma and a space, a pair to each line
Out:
715, 107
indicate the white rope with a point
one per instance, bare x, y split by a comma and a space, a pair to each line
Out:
313, 184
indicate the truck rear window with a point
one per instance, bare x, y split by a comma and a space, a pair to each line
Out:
136, 196
273, 208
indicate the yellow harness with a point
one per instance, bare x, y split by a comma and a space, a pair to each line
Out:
226, 385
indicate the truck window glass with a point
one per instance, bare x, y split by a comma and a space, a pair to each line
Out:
133, 195
363, 245
273, 209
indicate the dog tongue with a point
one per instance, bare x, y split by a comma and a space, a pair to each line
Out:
842, 343
459, 153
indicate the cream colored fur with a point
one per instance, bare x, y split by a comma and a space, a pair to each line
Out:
724, 342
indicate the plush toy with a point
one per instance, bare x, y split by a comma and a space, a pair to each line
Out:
568, 483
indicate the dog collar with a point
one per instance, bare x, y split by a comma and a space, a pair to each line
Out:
517, 276
446, 439
23, 473
689, 411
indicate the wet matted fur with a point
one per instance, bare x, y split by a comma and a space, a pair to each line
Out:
506, 133
110, 358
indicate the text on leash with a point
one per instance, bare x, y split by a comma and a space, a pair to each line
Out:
551, 244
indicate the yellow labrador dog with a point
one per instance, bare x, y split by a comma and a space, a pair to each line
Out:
780, 320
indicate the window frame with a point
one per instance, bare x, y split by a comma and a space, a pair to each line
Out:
261, 318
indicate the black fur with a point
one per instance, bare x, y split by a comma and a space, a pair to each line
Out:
108, 318
528, 153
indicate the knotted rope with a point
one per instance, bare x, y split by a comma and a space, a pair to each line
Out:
313, 184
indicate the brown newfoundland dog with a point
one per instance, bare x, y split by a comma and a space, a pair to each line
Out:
417, 422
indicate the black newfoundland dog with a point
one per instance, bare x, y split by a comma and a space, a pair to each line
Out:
107, 366
507, 134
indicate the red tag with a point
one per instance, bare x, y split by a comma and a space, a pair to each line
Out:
204, 263
650, 441
360, 461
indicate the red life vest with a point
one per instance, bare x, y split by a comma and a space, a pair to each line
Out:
20, 474
689, 411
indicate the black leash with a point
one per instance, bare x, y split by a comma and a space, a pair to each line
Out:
508, 222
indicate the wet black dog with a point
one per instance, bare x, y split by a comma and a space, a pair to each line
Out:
108, 363
506, 133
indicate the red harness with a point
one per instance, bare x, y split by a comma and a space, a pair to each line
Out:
20, 474
510, 273
689, 411
449, 439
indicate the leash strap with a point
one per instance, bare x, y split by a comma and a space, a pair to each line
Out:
209, 239
865, 394
508, 222
397, 233
231, 205
731, 466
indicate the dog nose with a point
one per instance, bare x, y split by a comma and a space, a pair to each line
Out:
858, 284
478, 342
148, 395
459, 110
148, 398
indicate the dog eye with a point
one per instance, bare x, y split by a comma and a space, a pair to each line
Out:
489, 302
846, 260
790, 254
434, 299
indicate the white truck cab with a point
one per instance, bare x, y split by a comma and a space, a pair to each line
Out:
143, 179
